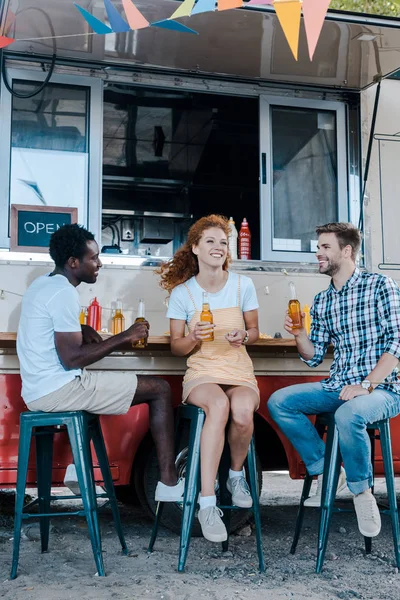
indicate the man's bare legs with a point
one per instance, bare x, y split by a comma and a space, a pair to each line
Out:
156, 392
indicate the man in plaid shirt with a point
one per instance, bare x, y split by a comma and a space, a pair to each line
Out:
359, 314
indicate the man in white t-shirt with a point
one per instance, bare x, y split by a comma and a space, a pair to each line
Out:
54, 349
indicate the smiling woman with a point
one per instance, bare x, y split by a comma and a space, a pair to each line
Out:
220, 377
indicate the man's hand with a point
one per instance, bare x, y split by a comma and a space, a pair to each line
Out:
90, 336
288, 325
352, 391
137, 332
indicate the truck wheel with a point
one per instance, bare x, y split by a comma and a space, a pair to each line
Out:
172, 513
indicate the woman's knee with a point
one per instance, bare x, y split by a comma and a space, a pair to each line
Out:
218, 409
242, 417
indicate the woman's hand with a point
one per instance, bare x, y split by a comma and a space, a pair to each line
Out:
201, 331
236, 337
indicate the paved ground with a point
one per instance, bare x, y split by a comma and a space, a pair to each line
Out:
67, 571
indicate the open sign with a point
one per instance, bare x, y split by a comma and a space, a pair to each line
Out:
32, 226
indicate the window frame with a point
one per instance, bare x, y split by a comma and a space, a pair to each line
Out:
266, 171
92, 217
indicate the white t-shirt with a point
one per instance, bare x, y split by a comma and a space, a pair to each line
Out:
180, 305
50, 304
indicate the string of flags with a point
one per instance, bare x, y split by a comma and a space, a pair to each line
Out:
288, 12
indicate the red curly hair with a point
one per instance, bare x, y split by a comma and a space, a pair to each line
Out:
184, 264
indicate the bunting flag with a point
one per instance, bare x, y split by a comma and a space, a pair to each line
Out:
97, 25
202, 6
314, 13
5, 41
174, 26
117, 23
228, 4
183, 10
135, 18
289, 15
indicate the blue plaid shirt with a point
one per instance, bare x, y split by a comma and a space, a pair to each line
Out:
362, 321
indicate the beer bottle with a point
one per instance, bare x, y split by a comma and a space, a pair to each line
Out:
206, 317
294, 309
118, 320
139, 319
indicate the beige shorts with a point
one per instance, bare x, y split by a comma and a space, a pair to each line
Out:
99, 392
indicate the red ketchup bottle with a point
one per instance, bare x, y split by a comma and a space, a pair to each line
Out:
244, 241
94, 315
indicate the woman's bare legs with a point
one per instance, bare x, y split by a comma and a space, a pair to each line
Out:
243, 403
213, 400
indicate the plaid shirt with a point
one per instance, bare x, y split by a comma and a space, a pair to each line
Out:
362, 321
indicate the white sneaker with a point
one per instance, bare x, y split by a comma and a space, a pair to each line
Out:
212, 526
368, 516
316, 499
170, 493
71, 481
238, 488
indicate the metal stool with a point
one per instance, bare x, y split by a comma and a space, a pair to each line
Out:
196, 416
332, 465
81, 427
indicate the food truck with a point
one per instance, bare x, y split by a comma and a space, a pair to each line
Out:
137, 134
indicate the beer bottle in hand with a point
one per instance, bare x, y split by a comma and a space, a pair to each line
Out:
206, 317
139, 319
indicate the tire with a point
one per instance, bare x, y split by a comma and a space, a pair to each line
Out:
147, 476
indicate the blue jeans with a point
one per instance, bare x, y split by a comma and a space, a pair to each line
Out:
290, 405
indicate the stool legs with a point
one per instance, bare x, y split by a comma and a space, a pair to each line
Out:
44, 463
386, 445
80, 446
329, 486
224, 495
23, 458
252, 471
191, 488
101, 453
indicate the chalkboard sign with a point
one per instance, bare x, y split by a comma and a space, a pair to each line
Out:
32, 226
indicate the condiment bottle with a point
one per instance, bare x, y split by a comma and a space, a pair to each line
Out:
307, 318
82, 316
118, 320
207, 317
233, 239
294, 309
139, 319
94, 315
244, 241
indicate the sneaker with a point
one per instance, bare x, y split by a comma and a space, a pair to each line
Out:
368, 516
170, 493
212, 525
71, 481
316, 499
239, 489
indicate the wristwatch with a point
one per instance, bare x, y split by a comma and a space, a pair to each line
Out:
366, 385
246, 338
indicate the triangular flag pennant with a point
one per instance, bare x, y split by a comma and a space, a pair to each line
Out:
5, 41
183, 10
95, 24
135, 18
259, 2
289, 14
314, 12
173, 25
202, 6
227, 4
118, 25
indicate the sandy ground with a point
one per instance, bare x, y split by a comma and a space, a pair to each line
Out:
67, 571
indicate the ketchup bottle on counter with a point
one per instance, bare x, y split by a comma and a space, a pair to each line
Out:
94, 315
245, 241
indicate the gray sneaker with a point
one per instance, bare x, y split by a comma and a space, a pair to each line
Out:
212, 525
316, 499
239, 489
368, 516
